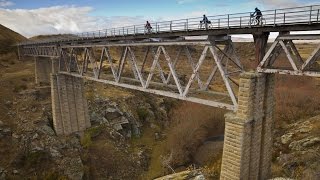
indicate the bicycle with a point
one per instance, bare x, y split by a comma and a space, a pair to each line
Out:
148, 30
256, 22
203, 25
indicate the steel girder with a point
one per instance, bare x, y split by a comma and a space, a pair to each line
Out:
297, 65
39, 51
160, 68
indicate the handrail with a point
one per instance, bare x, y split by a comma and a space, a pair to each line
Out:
276, 17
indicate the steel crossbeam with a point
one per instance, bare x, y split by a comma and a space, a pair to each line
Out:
298, 66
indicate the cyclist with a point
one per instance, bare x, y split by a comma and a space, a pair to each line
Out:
257, 13
148, 27
205, 21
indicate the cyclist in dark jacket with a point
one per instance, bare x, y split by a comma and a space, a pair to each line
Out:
205, 21
148, 27
258, 14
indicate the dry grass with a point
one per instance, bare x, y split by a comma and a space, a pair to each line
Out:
191, 125
296, 98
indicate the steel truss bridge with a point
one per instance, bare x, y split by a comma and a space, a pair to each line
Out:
166, 62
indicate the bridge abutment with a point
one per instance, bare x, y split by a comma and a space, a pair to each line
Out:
69, 105
248, 132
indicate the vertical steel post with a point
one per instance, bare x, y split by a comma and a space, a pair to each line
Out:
170, 26
134, 30
228, 20
218, 23
187, 27
240, 21
250, 20
284, 18
275, 17
318, 15
310, 18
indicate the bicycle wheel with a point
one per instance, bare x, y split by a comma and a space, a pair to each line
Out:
251, 22
201, 26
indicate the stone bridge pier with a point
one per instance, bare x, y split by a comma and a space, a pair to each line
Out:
69, 105
43, 69
247, 149
44, 66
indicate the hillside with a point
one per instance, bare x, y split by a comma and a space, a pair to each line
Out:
53, 36
8, 38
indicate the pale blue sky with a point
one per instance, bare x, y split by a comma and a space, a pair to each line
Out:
33, 17
159, 8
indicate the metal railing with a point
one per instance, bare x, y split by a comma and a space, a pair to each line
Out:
277, 17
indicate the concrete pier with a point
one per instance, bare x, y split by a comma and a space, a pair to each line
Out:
69, 105
43, 69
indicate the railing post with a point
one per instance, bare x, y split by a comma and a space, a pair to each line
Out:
250, 20
318, 15
310, 19
170, 26
187, 25
127, 31
156, 27
218, 23
275, 18
284, 18
134, 30
122, 31
240, 21
228, 21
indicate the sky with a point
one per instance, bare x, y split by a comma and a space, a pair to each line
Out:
35, 17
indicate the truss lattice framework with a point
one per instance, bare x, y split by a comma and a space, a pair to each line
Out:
156, 71
40, 51
297, 65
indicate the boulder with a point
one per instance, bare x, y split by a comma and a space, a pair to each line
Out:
303, 143
47, 130
286, 138
112, 113
55, 153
